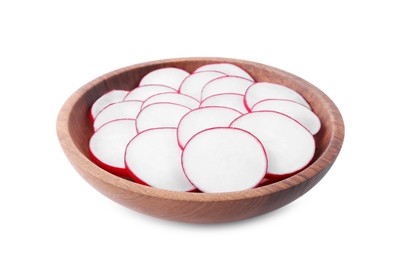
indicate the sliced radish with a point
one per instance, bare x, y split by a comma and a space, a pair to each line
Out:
289, 145
227, 84
235, 101
226, 68
119, 110
175, 98
107, 99
143, 92
171, 77
292, 109
203, 118
160, 115
224, 160
107, 145
154, 158
265, 90
194, 83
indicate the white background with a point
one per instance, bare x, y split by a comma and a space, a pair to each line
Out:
349, 49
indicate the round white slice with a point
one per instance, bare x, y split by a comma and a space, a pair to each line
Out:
160, 115
107, 99
227, 84
289, 145
265, 90
143, 92
226, 68
154, 158
292, 109
194, 83
203, 118
175, 98
171, 77
108, 143
119, 110
235, 101
224, 160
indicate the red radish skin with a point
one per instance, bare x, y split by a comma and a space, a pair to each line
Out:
143, 92
289, 145
265, 90
282, 99
202, 118
226, 68
120, 110
268, 181
226, 84
112, 136
194, 83
230, 100
106, 99
297, 111
275, 177
170, 76
224, 159
160, 115
120, 172
176, 98
153, 158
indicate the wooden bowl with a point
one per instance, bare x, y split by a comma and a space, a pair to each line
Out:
74, 130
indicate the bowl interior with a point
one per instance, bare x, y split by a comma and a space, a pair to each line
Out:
81, 129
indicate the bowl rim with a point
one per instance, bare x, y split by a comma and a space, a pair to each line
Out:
84, 164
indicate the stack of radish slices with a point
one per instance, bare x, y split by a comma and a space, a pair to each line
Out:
215, 130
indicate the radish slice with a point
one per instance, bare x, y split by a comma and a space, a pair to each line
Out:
234, 101
107, 145
160, 115
143, 92
224, 160
175, 98
154, 158
203, 118
289, 145
119, 110
171, 77
227, 84
226, 68
264, 90
292, 109
193, 84
107, 99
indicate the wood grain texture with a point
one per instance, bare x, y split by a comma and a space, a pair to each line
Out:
74, 130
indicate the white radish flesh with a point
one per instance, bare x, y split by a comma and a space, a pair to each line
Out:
160, 115
229, 69
289, 145
224, 160
292, 109
171, 77
175, 98
107, 99
194, 83
143, 92
154, 158
234, 101
203, 118
119, 110
227, 84
107, 145
265, 90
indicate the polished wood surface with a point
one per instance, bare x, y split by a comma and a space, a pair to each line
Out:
74, 130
